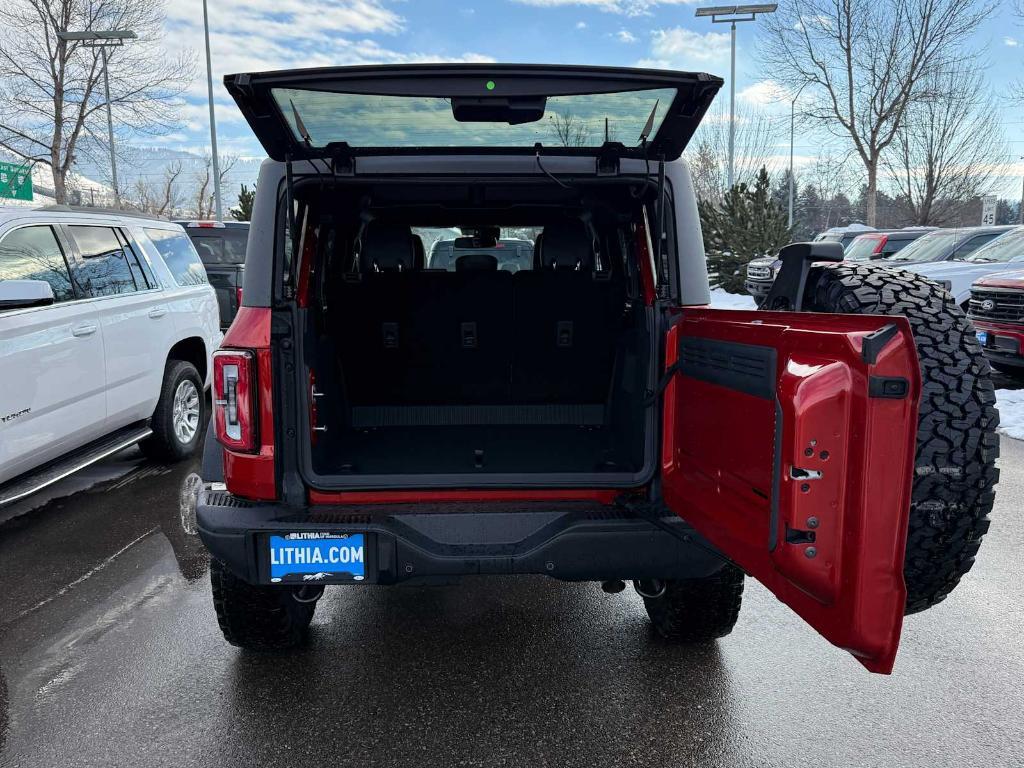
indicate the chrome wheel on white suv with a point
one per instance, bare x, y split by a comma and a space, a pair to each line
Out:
185, 412
179, 415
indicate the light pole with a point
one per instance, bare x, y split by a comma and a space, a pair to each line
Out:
213, 120
792, 133
103, 40
721, 14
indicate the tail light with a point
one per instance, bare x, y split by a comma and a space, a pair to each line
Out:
238, 296
234, 380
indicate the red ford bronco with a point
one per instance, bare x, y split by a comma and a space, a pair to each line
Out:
578, 412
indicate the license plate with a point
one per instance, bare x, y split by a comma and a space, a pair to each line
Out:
982, 337
311, 557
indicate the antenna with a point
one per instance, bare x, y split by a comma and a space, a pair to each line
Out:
649, 125
301, 126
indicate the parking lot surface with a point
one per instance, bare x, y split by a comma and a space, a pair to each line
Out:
110, 655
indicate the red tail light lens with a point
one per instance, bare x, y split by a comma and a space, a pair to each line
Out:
234, 380
238, 296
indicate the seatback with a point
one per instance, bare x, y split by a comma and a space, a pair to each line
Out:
565, 322
374, 316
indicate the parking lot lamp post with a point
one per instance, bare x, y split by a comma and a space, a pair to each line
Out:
721, 14
103, 40
213, 120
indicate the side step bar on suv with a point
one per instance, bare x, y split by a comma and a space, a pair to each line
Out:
58, 469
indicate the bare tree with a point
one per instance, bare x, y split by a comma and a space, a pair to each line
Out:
203, 181
51, 89
709, 157
950, 148
569, 130
866, 62
160, 198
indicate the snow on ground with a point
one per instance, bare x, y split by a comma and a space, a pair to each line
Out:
1010, 403
722, 300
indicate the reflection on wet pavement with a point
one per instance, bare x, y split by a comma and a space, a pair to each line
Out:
112, 656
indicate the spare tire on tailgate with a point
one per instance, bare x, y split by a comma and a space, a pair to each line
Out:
957, 444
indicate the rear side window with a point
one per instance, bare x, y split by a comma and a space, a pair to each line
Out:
33, 253
220, 246
180, 257
104, 270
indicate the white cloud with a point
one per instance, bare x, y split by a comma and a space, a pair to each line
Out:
625, 36
581, 25
684, 49
626, 7
764, 93
258, 35
1010, 41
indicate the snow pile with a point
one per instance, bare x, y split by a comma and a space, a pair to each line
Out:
1011, 412
722, 300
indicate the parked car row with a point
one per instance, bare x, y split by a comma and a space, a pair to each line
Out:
108, 322
971, 263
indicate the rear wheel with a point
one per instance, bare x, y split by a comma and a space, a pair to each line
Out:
957, 444
697, 610
179, 414
259, 617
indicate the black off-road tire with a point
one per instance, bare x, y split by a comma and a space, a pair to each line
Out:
163, 444
258, 617
698, 610
957, 444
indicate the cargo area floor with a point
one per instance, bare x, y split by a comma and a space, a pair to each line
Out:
469, 449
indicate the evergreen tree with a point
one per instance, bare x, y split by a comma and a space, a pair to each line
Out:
746, 225
243, 210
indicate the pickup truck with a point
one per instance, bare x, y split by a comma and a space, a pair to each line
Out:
221, 246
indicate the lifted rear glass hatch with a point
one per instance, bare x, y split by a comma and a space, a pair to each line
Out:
506, 108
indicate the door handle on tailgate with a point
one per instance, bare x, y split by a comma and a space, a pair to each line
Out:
157, 312
86, 329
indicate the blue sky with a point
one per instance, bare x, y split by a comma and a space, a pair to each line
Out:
250, 35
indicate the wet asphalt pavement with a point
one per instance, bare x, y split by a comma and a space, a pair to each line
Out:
110, 656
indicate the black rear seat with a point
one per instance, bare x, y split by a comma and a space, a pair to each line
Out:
566, 322
373, 314
477, 336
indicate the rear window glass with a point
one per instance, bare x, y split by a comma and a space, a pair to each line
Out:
104, 270
513, 252
220, 246
420, 121
179, 255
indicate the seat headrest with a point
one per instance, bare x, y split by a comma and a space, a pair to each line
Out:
476, 262
387, 248
538, 244
418, 252
567, 245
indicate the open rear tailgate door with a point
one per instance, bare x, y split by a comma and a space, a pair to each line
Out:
497, 108
789, 443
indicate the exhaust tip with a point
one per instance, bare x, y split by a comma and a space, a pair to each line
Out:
613, 586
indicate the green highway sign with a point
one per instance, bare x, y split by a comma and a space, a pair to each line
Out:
15, 181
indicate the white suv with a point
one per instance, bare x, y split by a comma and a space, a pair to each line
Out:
107, 327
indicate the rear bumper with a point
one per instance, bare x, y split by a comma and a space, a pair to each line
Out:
1005, 342
571, 541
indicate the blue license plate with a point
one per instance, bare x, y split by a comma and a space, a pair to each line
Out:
312, 557
982, 337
